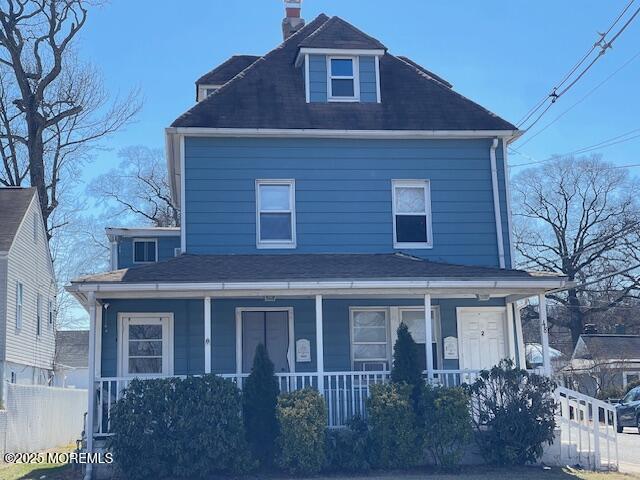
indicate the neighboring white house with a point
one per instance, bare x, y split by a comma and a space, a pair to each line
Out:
72, 358
27, 291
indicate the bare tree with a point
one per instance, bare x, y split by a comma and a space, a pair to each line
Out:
579, 217
53, 107
138, 188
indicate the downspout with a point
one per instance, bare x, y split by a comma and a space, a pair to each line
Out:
496, 202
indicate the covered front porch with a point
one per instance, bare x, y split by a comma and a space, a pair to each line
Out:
335, 338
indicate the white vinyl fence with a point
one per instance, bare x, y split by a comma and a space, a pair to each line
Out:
37, 417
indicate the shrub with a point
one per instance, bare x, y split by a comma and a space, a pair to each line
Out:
302, 419
259, 399
393, 429
348, 448
406, 367
189, 428
611, 392
514, 413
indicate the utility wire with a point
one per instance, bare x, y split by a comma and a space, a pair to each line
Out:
553, 97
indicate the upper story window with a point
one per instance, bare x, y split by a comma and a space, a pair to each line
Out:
19, 304
145, 250
275, 214
342, 82
412, 214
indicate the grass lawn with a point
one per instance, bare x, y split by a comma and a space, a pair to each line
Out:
42, 471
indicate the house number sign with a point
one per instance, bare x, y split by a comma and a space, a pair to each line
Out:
450, 348
303, 350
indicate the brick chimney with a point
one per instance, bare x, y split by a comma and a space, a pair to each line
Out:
292, 22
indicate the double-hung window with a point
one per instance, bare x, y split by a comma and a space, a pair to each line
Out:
370, 338
145, 250
275, 214
19, 304
411, 214
413, 318
342, 81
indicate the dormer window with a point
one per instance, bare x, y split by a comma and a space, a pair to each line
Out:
343, 84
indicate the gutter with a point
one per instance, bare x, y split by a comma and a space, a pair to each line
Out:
496, 202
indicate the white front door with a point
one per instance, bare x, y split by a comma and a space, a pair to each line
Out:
146, 347
481, 337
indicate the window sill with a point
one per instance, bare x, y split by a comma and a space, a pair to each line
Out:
144, 263
412, 246
342, 99
275, 245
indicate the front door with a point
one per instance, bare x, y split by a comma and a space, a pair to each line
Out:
481, 334
146, 348
271, 328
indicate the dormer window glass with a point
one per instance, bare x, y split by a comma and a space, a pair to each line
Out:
343, 85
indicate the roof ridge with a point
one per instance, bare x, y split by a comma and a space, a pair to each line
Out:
337, 19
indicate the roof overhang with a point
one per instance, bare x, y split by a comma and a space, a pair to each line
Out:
174, 137
113, 232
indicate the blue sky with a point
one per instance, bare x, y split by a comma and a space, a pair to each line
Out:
503, 54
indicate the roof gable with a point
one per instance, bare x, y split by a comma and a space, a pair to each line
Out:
14, 203
336, 33
608, 346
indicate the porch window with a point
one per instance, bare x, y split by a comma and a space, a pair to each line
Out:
275, 219
411, 214
343, 79
414, 320
146, 348
145, 250
370, 339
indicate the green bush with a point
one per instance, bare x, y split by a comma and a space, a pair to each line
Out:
514, 414
611, 392
348, 448
173, 428
447, 423
302, 418
259, 400
393, 430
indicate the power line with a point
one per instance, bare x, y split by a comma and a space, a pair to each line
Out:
604, 46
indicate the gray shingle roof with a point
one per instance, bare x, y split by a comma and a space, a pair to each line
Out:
13, 206
72, 348
270, 94
608, 346
227, 70
299, 267
336, 33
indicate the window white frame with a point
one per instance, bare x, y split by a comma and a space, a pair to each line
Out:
355, 77
133, 245
396, 317
19, 304
38, 314
292, 337
625, 376
292, 211
426, 186
352, 342
126, 319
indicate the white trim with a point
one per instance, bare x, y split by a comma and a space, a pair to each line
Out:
429, 335
202, 90
91, 371
522, 355
341, 51
145, 240
426, 185
307, 81
511, 340
378, 86
113, 245
459, 328
544, 334
496, 202
142, 232
19, 311
291, 358
319, 344
396, 317
207, 334
387, 320
625, 382
167, 363
183, 210
355, 77
98, 340
507, 186
267, 244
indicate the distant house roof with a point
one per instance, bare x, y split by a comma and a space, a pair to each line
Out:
270, 93
300, 267
72, 348
14, 202
607, 346
227, 70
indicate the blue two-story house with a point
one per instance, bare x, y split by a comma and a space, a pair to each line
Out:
329, 191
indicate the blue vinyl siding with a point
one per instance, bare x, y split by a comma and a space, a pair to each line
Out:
317, 78
368, 88
189, 327
343, 194
166, 249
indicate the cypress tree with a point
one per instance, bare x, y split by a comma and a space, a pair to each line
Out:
259, 400
406, 367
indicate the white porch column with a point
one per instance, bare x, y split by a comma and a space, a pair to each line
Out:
207, 334
429, 333
319, 345
544, 335
91, 300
